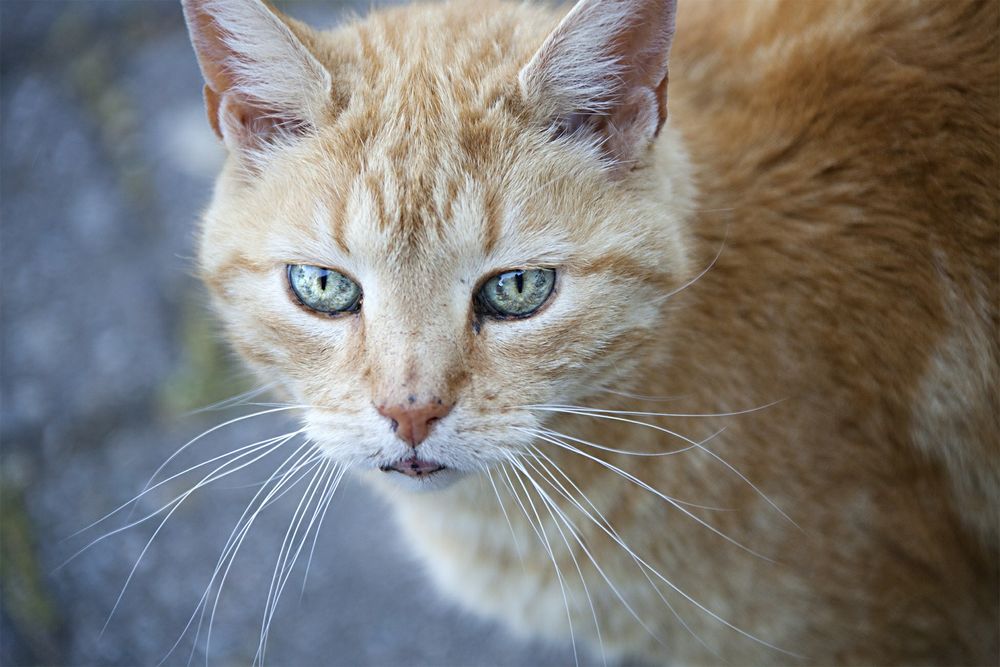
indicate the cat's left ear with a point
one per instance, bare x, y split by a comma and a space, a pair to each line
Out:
602, 75
261, 82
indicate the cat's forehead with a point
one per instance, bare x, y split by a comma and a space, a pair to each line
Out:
462, 45
427, 152
424, 219
426, 86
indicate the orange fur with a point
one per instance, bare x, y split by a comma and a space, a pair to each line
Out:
815, 230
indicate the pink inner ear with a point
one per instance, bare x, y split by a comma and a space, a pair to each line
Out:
261, 80
212, 109
252, 124
209, 45
603, 71
661, 103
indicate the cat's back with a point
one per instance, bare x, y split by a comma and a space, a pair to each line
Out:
900, 96
848, 156
849, 153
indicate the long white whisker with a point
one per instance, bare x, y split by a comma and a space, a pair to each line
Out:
633, 453
555, 563
232, 401
753, 486
264, 445
517, 498
341, 471
170, 458
634, 413
304, 464
254, 446
655, 427
282, 565
549, 504
325, 477
513, 534
233, 537
638, 482
696, 445
208, 479
687, 597
639, 397
718, 254
557, 434
608, 527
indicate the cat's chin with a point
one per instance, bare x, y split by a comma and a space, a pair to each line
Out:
433, 481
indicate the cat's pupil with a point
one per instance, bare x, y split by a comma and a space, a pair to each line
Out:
519, 281
322, 281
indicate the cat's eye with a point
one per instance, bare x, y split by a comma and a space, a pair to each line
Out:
515, 294
324, 290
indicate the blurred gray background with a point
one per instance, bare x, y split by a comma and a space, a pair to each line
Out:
108, 348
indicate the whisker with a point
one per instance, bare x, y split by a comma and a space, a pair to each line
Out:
633, 453
496, 492
280, 577
722, 246
687, 597
695, 444
233, 538
549, 503
557, 434
639, 397
628, 550
555, 563
517, 497
287, 545
279, 404
586, 410
232, 401
638, 482
264, 444
325, 477
304, 464
258, 444
341, 471
655, 427
751, 485
208, 479
170, 458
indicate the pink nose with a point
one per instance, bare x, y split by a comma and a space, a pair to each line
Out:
413, 422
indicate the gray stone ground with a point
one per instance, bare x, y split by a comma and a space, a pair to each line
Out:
107, 347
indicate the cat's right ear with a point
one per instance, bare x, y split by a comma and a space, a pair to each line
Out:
601, 76
261, 82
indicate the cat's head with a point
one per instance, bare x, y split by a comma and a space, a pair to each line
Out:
437, 218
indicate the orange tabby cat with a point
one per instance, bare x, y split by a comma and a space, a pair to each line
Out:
692, 375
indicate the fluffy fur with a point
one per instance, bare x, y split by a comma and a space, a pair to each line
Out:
811, 240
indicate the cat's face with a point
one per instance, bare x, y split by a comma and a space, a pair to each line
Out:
419, 186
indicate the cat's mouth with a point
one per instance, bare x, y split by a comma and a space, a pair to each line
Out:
414, 466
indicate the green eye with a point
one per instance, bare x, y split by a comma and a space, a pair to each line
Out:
515, 294
324, 290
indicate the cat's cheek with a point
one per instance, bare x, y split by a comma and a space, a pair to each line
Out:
345, 438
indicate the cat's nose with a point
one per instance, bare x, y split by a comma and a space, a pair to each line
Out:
412, 421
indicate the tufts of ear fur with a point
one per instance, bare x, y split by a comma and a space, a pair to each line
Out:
602, 75
262, 85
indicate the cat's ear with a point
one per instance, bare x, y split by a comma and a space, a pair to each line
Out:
602, 75
261, 82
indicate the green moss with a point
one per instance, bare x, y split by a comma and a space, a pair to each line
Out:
94, 78
207, 374
25, 597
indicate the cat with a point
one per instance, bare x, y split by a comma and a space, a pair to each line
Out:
693, 373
